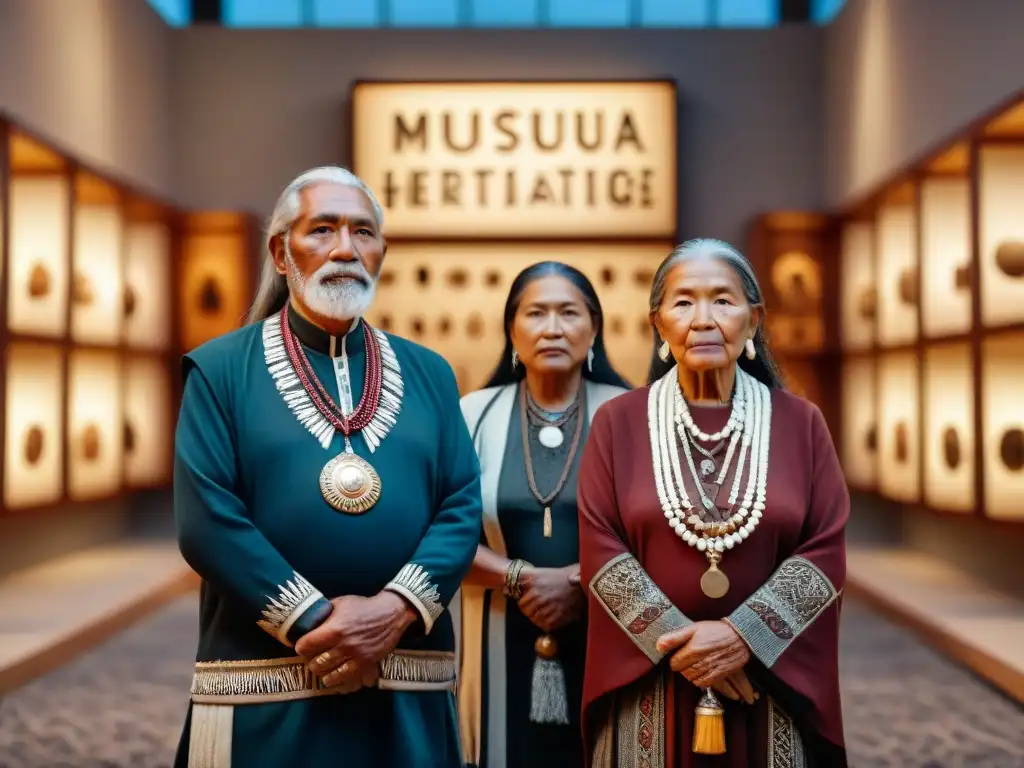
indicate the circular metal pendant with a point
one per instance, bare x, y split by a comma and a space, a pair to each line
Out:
550, 437
714, 583
350, 484
707, 467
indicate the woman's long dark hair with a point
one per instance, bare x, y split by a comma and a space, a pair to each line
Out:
601, 371
762, 367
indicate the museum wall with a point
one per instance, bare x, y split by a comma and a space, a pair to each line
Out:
93, 78
903, 76
255, 107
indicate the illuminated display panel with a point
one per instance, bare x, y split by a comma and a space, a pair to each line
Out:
898, 469
95, 420
945, 256
859, 298
33, 455
949, 428
451, 297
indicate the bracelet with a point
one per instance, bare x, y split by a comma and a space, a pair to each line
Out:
512, 586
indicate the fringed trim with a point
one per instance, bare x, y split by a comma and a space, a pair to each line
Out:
419, 667
289, 385
262, 681
391, 393
413, 582
281, 612
299, 403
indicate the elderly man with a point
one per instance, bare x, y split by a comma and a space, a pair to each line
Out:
327, 491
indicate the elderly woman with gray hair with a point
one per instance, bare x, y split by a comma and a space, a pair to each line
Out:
712, 526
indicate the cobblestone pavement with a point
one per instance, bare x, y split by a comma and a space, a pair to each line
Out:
122, 704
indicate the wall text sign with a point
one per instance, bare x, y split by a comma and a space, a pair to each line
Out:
519, 160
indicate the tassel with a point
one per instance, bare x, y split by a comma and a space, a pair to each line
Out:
709, 726
548, 700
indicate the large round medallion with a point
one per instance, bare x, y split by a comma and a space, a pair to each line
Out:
714, 583
350, 484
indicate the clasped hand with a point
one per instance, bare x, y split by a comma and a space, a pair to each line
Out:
551, 597
359, 633
711, 654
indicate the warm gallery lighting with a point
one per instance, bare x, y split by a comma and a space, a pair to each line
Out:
451, 297
147, 422
147, 302
945, 255
897, 276
33, 454
949, 428
1003, 419
215, 289
96, 302
37, 288
860, 423
1001, 224
859, 297
94, 424
898, 421
515, 160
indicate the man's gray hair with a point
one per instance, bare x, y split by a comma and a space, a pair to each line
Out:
273, 287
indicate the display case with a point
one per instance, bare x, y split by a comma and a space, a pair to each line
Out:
899, 431
39, 204
860, 423
451, 297
949, 428
216, 275
946, 245
858, 295
147, 321
95, 424
898, 285
148, 422
34, 433
790, 253
1003, 425
1001, 232
97, 262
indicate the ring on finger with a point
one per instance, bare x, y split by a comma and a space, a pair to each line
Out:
324, 658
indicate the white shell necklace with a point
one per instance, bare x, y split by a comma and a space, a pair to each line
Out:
749, 430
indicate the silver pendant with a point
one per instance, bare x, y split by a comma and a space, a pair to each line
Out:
707, 467
550, 437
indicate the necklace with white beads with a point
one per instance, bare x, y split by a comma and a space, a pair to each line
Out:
749, 430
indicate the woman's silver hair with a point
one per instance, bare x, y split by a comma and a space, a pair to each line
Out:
763, 366
707, 248
273, 287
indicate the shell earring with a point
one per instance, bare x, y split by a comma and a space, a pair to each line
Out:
664, 351
749, 347
515, 359
590, 359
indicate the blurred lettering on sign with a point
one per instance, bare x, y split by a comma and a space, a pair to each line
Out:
519, 160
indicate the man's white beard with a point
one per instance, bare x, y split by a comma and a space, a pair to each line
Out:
335, 300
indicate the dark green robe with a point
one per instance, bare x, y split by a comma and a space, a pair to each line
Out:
251, 518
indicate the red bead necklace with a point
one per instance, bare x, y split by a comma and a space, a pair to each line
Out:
368, 403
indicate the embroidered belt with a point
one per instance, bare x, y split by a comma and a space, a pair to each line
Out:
263, 681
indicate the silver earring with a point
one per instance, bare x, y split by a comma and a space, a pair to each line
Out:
749, 347
590, 359
515, 359
664, 351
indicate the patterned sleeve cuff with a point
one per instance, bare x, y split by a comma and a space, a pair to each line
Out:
413, 583
634, 602
294, 598
789, 602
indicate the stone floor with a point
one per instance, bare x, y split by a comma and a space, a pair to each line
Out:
121, 705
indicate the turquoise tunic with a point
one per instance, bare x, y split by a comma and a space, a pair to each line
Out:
251, 518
